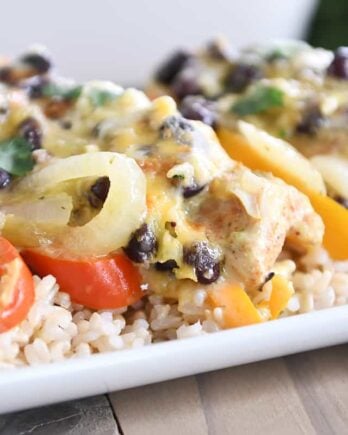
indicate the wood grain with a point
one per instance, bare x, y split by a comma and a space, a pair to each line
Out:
253, 399
300, 394
321, 379
169, 408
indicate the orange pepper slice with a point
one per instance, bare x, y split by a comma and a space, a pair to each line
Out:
282, 291
335, 217
238, 309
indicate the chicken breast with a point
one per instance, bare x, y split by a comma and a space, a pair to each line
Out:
251, 216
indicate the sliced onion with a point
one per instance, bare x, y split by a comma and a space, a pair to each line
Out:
284, 156
334, 170
55, 210
123, 210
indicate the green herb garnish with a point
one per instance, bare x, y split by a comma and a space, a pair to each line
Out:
277, 54
260, 99
100, 97
282, 133
53, 90
15, 156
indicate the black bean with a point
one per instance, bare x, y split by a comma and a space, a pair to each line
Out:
341, 200
7, 75
192, 190
205, 261
199, 109
166, 266
31, 131
172, 66
174, 123
142, 245
34, 86
311, 122
177, 128
218, 50
4, 110
210, 275
269, 276
39, 62
99, 192
186, 84
5, 178
339, 66
241, 76
66, 124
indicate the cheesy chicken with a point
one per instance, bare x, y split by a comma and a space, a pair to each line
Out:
94, 169
288, 88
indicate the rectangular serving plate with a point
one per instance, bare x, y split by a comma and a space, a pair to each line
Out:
46, 384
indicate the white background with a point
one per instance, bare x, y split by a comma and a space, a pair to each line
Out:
122, 40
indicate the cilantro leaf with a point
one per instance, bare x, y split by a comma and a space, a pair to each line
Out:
260, 99
60, 91
100, 97
277, 54
15, 156
282, 133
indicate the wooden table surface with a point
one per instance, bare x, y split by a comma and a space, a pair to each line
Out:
299, 394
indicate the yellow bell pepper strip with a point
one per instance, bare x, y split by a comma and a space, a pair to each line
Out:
335, 218
334, 215
258, 150
282, 290
238, 309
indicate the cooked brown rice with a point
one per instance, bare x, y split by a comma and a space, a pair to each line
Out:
56, 329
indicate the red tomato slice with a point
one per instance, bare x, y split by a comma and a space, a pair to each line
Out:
16, 287
99, 283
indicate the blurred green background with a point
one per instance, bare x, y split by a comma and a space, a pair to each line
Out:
329, 27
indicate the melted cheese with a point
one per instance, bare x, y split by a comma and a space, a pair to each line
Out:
174, 154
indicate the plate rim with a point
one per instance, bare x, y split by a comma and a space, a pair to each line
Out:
102, 373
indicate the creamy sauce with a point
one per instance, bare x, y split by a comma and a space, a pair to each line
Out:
208, 219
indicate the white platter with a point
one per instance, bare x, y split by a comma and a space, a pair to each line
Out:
46, 384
